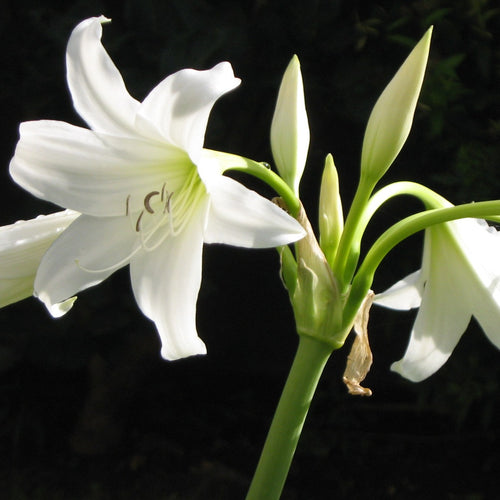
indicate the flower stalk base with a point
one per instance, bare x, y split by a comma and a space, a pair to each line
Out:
286, 427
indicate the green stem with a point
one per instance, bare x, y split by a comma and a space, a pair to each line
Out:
362, 210
277, 454
345, 258
272, 179
427, 196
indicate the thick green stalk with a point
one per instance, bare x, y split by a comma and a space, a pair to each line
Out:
277, 454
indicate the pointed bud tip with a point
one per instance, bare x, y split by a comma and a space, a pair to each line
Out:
289, 127
391, 118
329, 162
331, 219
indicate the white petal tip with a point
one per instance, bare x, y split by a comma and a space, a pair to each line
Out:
173, 354
404, 295
61, 308
224, 67
224, 71
98, 19
407, 372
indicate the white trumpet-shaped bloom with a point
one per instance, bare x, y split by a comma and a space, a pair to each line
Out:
22, 246
148, 192
459, 278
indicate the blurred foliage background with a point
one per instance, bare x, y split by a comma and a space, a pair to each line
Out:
88, 410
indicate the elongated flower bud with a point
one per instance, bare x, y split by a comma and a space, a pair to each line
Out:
331, 219
391, 118
290, 128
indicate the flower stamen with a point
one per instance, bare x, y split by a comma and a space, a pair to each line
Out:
127, 203
147, 201
138, 222
113, 267
171, 211
166, 208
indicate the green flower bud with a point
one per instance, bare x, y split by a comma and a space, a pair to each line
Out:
391, 118
331, 219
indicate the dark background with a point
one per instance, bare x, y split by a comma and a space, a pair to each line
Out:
88, 410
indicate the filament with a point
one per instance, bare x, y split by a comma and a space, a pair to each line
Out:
163, 210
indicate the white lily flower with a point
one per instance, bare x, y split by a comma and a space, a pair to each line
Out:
22, 246
459, 278
149, 194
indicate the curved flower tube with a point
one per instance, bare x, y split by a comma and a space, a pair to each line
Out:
459, 278
148, 192
22, 246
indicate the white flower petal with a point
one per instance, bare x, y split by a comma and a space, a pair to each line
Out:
166, 282
22, 246
487, 312
443, 315
479, 245
74, 167
429, 349
177, 110
99, 94
405, 294
14, 290
241, 217
88, 251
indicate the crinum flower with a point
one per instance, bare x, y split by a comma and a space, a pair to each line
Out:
459, 278
148, 192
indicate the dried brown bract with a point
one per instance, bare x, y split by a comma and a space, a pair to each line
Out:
360, 358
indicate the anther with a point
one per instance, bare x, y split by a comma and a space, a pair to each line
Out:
127, 203
137, 224
167, 204
147, 201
